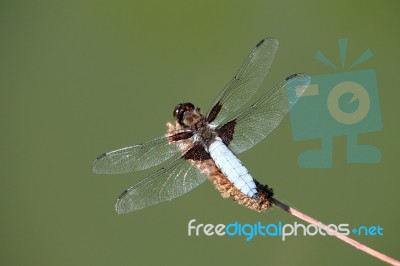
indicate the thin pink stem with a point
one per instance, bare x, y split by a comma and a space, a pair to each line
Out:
346, 239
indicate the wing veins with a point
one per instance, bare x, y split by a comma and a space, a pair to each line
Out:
259, 120
246, 82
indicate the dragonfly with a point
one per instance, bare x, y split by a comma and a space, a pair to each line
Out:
202, 147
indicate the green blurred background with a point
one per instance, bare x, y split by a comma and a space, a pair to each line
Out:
78, 78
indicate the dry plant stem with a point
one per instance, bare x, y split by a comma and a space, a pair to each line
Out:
346, 239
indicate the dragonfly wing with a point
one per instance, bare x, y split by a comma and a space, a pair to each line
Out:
170, 182
139, 157
246, 81
256, 122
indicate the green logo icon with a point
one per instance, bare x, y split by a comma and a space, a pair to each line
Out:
338, 104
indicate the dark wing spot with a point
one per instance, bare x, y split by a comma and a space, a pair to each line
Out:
292, 76
180, 136
101, 156
260, 42
123, 194
197, 153
226, 132
214, 112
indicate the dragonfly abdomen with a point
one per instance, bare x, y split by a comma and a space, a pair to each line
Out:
232, 168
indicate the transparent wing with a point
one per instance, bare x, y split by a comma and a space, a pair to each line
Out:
246, 81
170, 182
259, 120
137, 157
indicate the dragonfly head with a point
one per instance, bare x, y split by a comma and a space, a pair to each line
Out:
186, 114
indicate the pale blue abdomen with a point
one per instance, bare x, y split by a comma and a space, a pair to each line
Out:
232, 168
